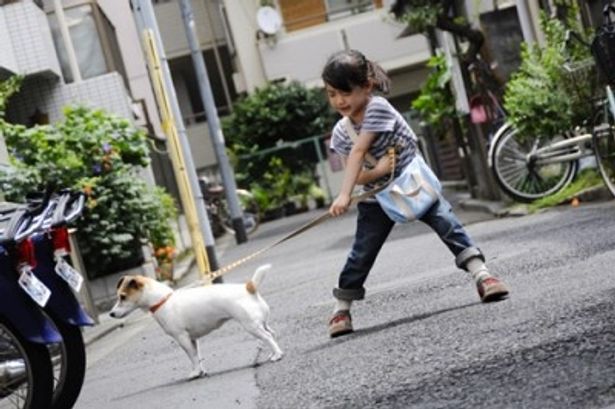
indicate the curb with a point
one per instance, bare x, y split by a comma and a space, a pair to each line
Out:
101, 333
514, 209
496, 208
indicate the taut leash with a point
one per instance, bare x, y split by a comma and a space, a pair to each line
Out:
313, 223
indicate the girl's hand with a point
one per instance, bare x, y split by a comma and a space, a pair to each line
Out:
384, 166
340, 205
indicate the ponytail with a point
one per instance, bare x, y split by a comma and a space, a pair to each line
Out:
379, 77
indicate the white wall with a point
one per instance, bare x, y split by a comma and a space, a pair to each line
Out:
172, 28
30, 37
300, 55
8, 61
242, 23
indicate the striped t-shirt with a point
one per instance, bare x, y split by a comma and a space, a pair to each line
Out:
391, 129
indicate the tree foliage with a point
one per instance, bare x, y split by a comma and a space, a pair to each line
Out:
272, 115
424, 15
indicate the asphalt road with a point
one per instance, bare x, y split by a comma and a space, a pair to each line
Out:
422, 340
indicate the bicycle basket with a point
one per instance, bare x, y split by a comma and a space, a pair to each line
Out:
603, 46
580, 71
580, 81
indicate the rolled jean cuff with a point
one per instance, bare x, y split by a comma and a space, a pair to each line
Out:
349, 294
467, 254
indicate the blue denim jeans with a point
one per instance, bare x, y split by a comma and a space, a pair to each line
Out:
373, 227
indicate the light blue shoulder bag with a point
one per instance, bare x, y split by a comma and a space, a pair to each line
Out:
412, 193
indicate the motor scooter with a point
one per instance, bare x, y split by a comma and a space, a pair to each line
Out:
41, 255
26, 374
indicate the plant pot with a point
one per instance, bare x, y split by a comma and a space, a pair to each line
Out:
290, 208
164, 272
274, 213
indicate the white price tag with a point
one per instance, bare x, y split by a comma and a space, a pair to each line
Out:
34, 287
69, 274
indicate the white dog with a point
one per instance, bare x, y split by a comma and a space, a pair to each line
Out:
188, 314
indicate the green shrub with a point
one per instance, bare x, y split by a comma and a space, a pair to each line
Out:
435, 102
273, 114
542, 98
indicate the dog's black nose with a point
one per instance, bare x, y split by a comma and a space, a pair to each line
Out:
112, 314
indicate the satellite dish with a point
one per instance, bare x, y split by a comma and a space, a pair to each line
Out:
268, 20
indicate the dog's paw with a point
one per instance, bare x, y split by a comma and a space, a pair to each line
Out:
197, 374
276, 356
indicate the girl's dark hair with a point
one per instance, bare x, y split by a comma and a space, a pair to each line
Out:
347, 69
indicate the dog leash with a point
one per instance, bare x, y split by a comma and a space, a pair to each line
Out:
313, 223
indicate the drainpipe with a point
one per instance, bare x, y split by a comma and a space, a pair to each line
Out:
525, 20
68, 44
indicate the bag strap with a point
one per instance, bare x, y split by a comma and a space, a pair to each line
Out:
353, 135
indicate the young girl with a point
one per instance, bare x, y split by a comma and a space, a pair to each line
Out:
349, 81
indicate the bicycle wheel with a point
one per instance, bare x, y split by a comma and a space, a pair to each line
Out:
519, 174
603, 138
249, 208
69, 362
26, 376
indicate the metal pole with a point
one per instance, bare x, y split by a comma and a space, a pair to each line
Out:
146, 21
525, 22
213, 123
68, 43
227, 94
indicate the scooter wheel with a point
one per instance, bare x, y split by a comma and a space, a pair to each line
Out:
28, 381
69, 358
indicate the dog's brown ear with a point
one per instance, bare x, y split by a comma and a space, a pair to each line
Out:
134, 284
119, 283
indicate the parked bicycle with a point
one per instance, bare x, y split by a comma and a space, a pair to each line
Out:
219, 213
35, 248
531, 167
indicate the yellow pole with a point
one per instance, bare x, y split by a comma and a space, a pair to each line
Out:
175, 152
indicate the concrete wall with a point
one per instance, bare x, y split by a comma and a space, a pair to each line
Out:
30, 38
374, 33
106, 92
242, 23
8, 62
172, 28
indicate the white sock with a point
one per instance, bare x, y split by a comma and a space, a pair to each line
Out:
478, 269
342, 305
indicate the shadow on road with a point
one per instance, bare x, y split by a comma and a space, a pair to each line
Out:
185, 380
384, 326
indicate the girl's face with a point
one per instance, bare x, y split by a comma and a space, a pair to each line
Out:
351, 104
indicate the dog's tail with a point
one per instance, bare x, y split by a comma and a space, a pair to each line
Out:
257, 278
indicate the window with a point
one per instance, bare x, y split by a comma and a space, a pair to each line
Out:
93, 38
187, 88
